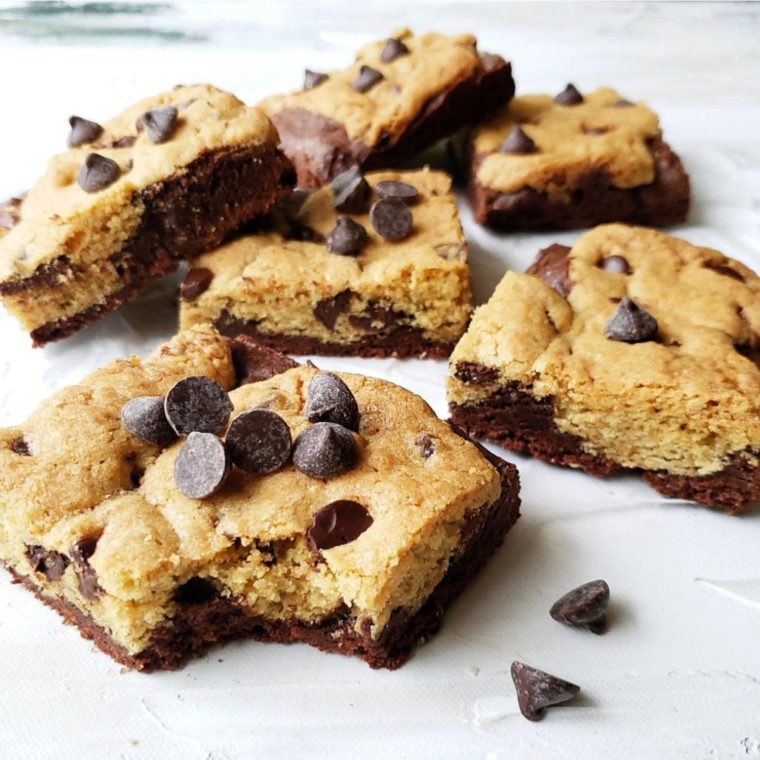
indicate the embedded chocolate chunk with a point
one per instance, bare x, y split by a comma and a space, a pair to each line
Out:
159, 123
401, 190
347, 237
97, 173
584, 606
569, 96
50, 563
21, 447
426, 445
124, 142
145, 418
312, 79
631, 324
351, 192
615, 264
393, 49
552, 265
201, 466
324, 450
87, 578
338, 523
518, 142
195, 283
391, 219
537, 690
10, 212
725, 269
329, 399
259, 441
83, 131
197, 404
328, 310
366, 79
255, 362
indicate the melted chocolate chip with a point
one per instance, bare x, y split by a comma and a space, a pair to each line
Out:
21, 447
366, 79
615, 264
392, 49
312, 79
195, 283
338, 523
623, 103
144, 417
401, 190
259, 441
426, 445
195, 591
569, 96
329, 399
724, 269
552, 265
197, 404
347, 237
324, 450
391, 219
584, 606
537, 690
201, 466
83, 131
518, 142
87, 578
631, 324
328, 310
97, 173
159, 123
50, 563
351, 192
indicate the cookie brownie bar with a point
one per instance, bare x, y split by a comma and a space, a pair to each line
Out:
356, 544
574, 160
632, 350
400, 96
355, 270
167, 179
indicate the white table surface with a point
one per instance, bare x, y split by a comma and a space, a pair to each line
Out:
677, 674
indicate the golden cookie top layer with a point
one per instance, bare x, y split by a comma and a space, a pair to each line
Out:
681, 402
59, 218
435, 63
598, 134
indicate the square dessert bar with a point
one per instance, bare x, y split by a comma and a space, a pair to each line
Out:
161, 507
632, 350
389, 279
574, 160
399, 97
167, 179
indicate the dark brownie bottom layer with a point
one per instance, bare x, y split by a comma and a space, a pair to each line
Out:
204, 618
518, 421
593, 201
183, 217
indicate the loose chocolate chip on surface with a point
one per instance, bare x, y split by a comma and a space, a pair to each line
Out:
195, 283
631, 324
83, 131
426, 445
338, 523
312, 78
585, 606
518, 142
201, 466
197, 404
145, 418
401, 190
569, 96
393, 49
324, 450
537, 690
351, 192
329, 399
366, 79
347, 237
50, 563
391, 219
259, 441
615, 264
97, 172
21, 447
623, 103
159, 123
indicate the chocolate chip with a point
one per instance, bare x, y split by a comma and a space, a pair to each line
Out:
83, 131
552, 265
631, 324
144, 417
293, 203
50, 563
347, 237
391, 219
312, 78
254, 362
259, 441
351, 192
197, 404
615, 264
537, 690
329, 399
324, 450
623, 103
569, 96
724, 269
584, 606
158, 123
195, 591
338, 523
201, 466
195, 283
401, 190
124, 142
393, 49
10, 213
87, 578
97, 172
21, 447
426, 445
328, 310
518, 142
367, 79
